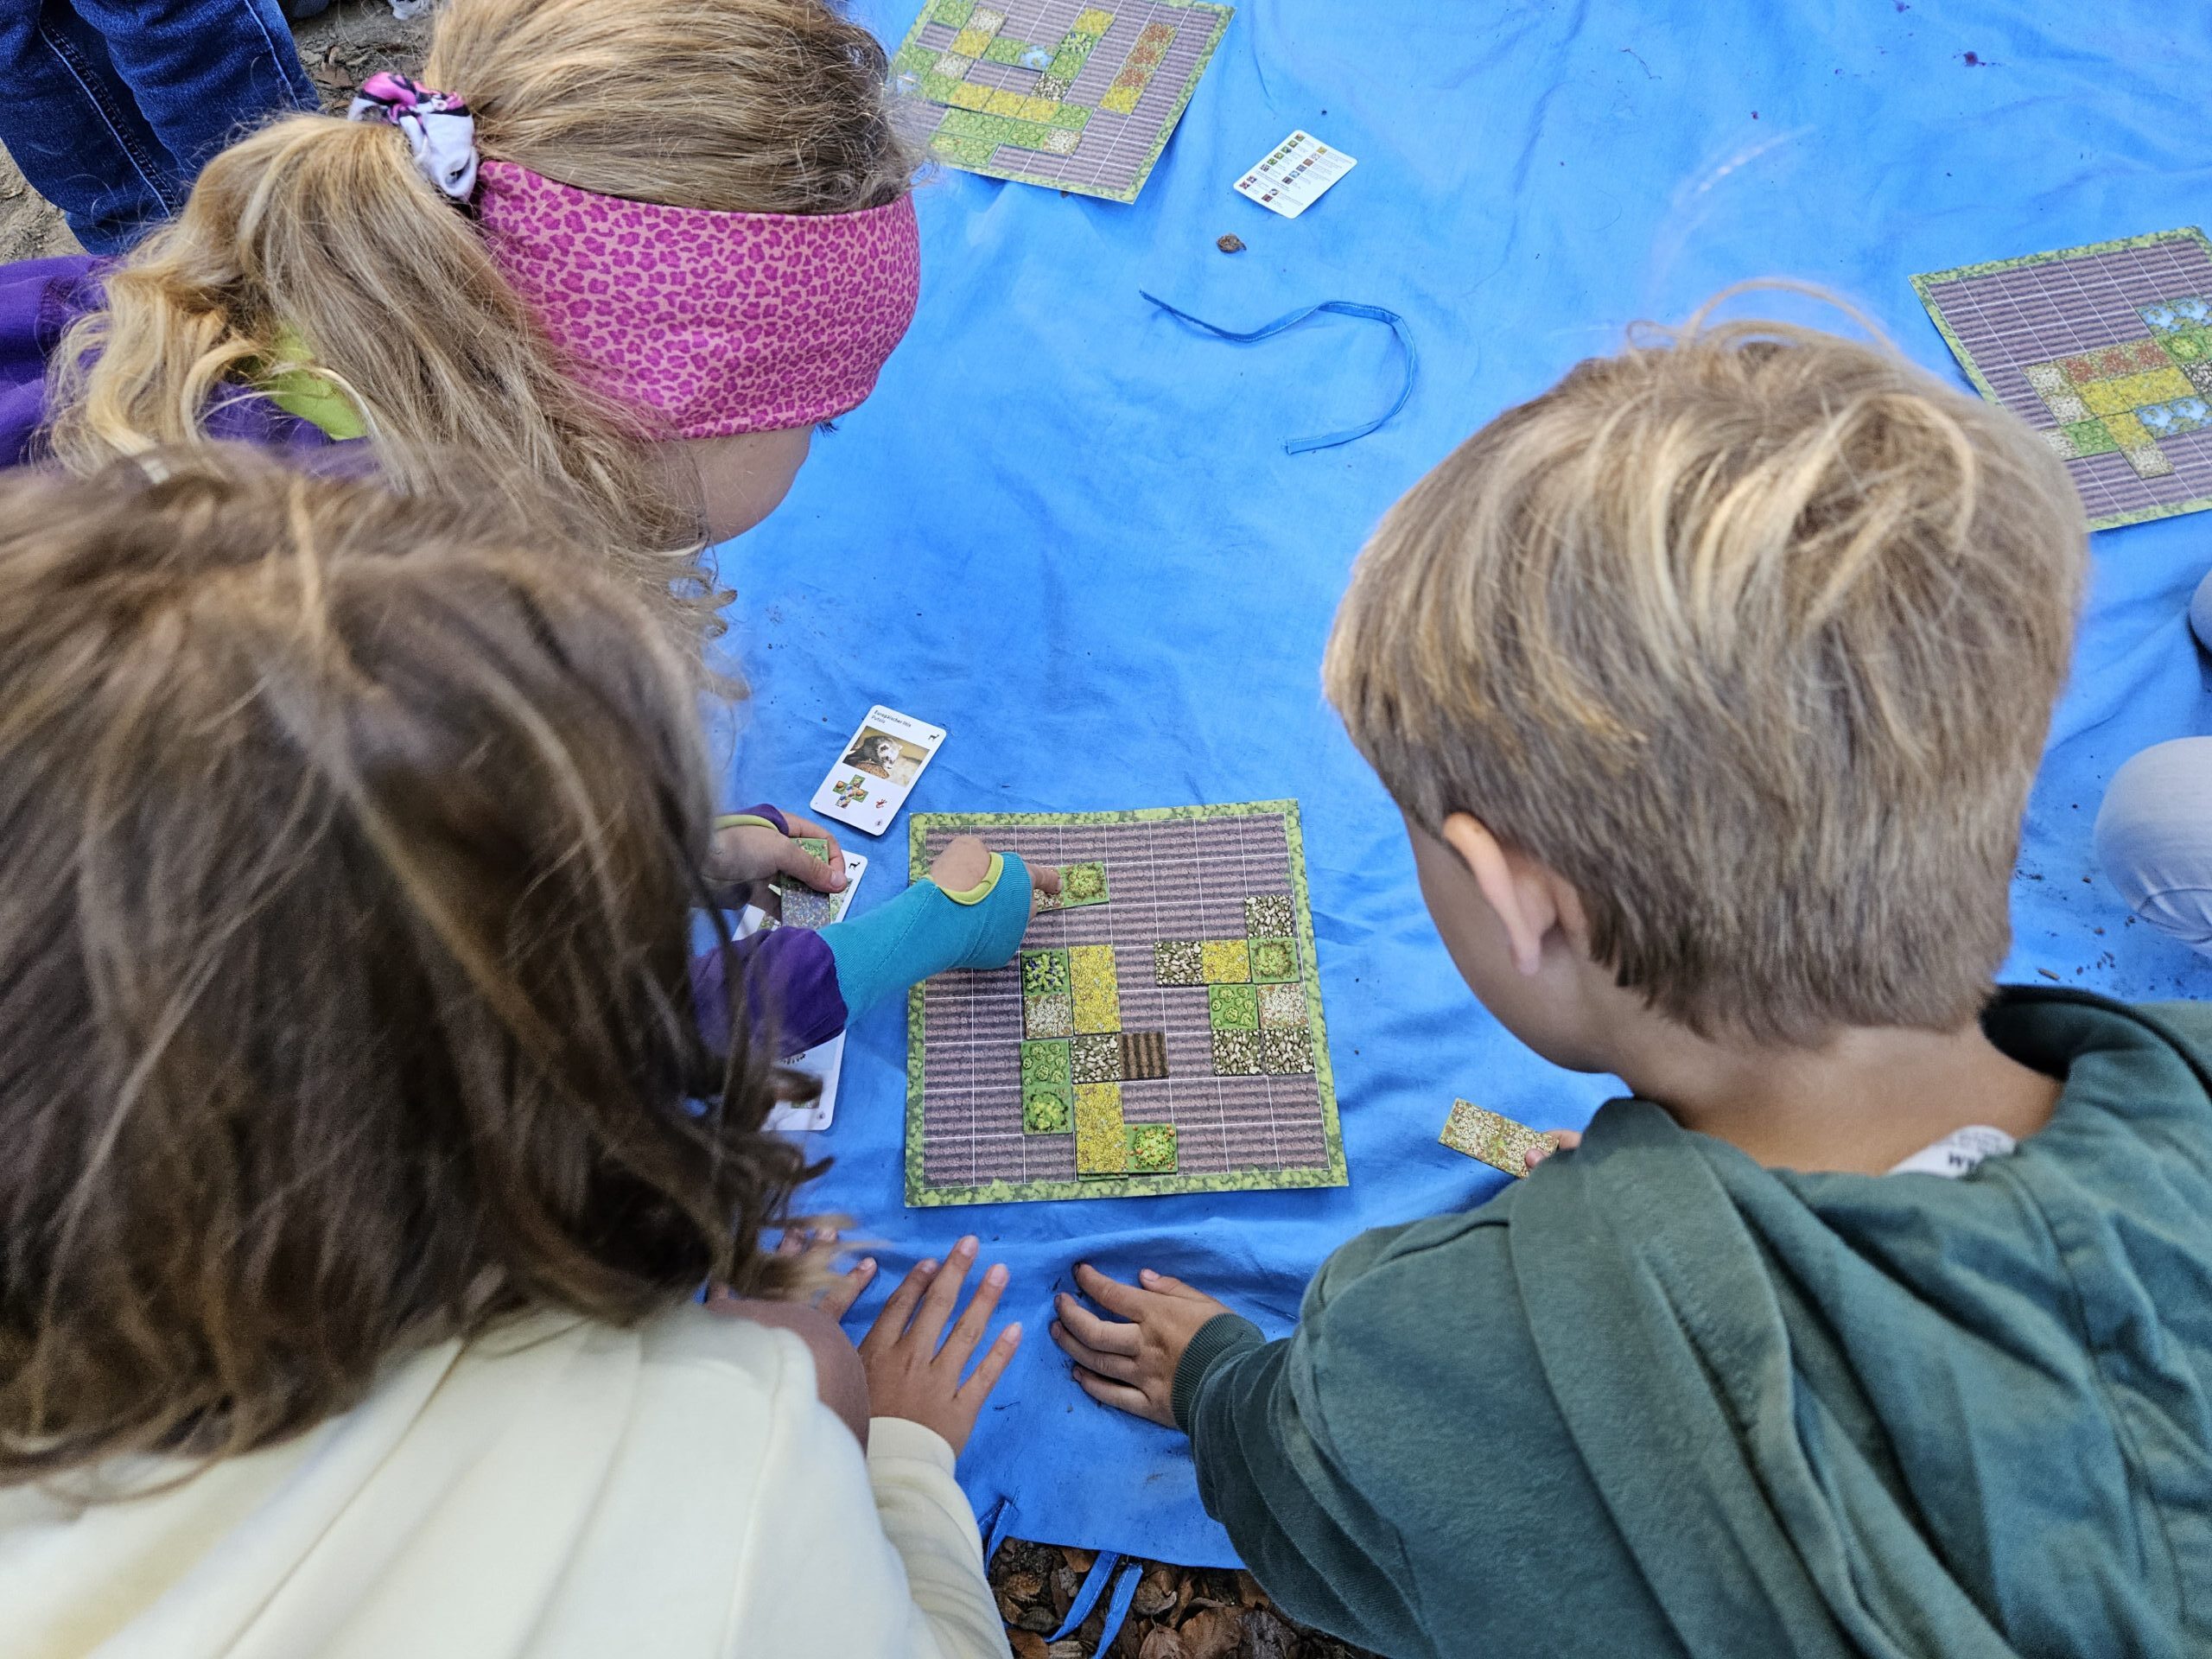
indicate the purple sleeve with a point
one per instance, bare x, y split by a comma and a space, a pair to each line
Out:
39, 301
791, 989
775, 817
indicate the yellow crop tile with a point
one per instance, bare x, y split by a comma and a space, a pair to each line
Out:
1093, 21
1003, 102
1100, 1140
2162, 385
2126, 430
1119, 100
1097, 996
2107, 397
972, 42
1225, 961
1039, 109
969, 96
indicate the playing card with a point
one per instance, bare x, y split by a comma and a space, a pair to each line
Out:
1292, 176
824, 1061
876, 770
1497, 1140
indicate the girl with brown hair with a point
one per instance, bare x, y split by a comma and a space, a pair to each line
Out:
359, 1186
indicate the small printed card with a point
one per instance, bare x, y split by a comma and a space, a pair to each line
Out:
1497, 1140
800, 906
876, 770
1294, 174
824, 1061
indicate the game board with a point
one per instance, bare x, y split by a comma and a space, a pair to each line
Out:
2106, 351
1059, 93
1163, 1033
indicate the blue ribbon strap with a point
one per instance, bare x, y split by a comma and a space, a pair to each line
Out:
1094, 1585
1291, 320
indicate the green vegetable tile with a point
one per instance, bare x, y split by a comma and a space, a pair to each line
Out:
2092, 438
1233, 1008
1044, 973
1152, 1148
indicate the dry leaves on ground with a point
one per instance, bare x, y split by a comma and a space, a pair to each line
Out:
1179, 1612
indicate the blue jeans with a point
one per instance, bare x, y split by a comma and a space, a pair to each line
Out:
2154, 831
111, 107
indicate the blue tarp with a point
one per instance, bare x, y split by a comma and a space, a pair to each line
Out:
1065, 528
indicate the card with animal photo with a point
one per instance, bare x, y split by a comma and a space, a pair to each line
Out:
876, 770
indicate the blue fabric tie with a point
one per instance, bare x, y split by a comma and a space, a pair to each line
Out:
1291, 320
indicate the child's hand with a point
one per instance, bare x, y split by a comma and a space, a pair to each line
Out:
1131, 1365
909, 1374
1566, 1138
747, 853
965, 862
836, 1298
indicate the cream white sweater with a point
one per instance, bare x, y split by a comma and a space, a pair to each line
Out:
561, 1488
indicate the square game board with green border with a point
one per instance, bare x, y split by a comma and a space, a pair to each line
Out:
1062, 92
1164, 1037
2106, 351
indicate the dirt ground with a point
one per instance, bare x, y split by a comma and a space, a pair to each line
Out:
342, 47
1179, 1612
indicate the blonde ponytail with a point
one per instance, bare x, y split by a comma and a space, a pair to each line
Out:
318, 234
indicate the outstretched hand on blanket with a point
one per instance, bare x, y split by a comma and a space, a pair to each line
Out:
1130, 1362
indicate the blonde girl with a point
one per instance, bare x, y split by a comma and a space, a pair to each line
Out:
632, 249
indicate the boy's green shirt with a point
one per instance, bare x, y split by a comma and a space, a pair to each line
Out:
1657, 1400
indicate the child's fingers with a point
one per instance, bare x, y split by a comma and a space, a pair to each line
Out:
794, 860
943, 1292
807, 828
1109, 1294
838, 1300
1120, 1367
1567, 1139
977, 1388
1046, 878
1167, 1286
968, 1330
891, 1323
1092, 1331
1120, 1396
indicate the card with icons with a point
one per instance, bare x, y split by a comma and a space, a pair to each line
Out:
876, 770
1292, 174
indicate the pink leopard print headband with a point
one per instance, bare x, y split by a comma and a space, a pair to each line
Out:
708, 323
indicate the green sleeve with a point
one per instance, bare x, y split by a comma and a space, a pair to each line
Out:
1270, 1471
1396, 1472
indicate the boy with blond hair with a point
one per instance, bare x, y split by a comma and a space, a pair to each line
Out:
1711, 683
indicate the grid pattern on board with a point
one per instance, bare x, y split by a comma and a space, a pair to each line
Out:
2067, 342
1172, 878
1079, 96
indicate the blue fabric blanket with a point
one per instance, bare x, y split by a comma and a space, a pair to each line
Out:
1065, 528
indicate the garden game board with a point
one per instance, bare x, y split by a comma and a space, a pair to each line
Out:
2106, 351
1159, 1032
1057, 92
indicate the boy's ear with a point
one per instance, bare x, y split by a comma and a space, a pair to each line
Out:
1521, 900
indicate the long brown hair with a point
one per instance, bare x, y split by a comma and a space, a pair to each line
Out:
348, 855
318, 234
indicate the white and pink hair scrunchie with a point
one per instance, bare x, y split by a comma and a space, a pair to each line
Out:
440, 130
